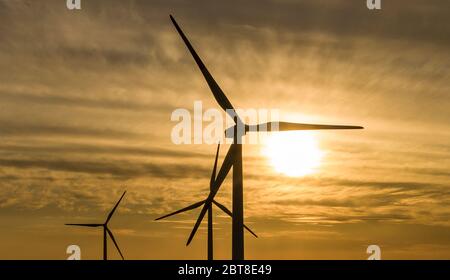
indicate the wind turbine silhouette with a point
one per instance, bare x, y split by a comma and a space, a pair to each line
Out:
210, 209
106, 230
234, 154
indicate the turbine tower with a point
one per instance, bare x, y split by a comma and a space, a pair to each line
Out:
210, 209
106, 231
234, 154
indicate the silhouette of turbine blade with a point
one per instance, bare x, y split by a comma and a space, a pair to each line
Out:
114, 241
286, 126
213, 174
227, 211
114, 209
223, 172
251, 231
85, 225
219, 95
190, 207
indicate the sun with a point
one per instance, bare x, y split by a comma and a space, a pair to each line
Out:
293, 153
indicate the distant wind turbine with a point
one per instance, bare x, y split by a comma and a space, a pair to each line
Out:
106, 230
234, 155
210, 209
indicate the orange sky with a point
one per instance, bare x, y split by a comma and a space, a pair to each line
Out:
86, 98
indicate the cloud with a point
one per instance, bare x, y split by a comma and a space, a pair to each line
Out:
20, 129
115, 150
125, 170
73, 101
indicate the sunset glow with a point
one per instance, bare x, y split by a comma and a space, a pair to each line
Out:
293, 153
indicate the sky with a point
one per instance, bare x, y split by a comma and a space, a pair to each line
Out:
86, 98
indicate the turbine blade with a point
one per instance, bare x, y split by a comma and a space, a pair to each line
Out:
219, 95
190, 207
85, 225
227, 211
114, 241
223, 172
114, 209
251, 231
223, 208
197, 224
213, 174
286, 126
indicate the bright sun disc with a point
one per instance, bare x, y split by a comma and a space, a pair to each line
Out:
293, 153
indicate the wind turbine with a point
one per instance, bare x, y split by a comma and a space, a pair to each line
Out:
210, 209
106, 230
234, 154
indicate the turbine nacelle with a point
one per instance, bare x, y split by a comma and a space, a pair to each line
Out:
238, 129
